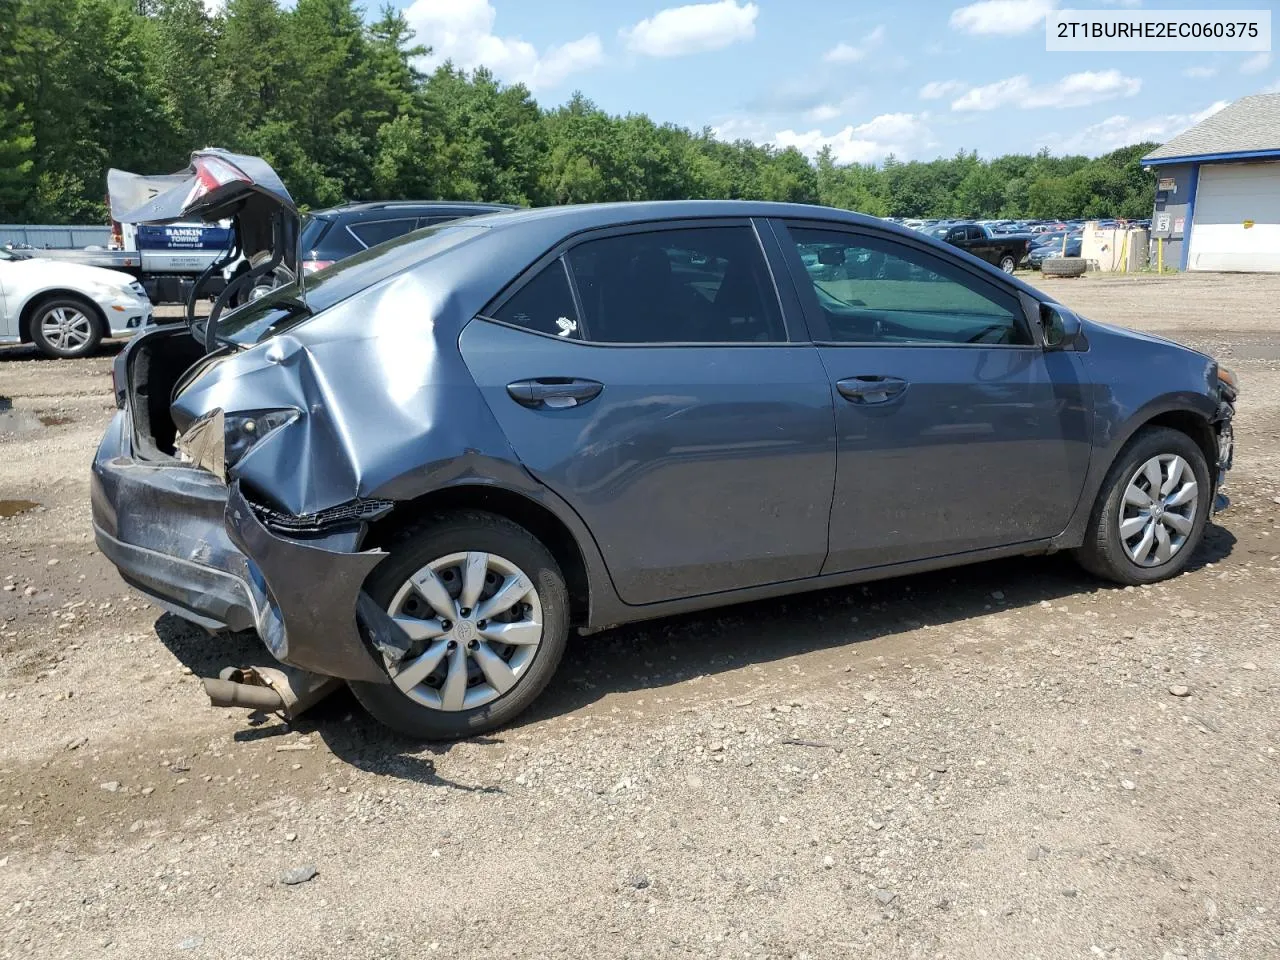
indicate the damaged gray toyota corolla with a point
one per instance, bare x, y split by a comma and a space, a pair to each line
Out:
417, 471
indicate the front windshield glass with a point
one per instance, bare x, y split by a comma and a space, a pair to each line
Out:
287, 306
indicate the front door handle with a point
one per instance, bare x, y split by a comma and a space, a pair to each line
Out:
871, 389
555, 393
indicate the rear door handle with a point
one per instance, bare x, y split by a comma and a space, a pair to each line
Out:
871, 389
555, 393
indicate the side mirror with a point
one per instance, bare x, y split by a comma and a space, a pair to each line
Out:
1060, 326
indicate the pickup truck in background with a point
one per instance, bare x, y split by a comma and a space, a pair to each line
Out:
1006, 250
165, 258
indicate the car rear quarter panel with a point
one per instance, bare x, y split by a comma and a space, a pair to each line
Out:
389, 413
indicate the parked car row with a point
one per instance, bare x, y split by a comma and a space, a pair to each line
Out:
1010, 244
66, 308
1016, 226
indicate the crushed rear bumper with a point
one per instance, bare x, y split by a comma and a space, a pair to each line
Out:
197, 547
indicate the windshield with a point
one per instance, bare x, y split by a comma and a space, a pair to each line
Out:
287, 306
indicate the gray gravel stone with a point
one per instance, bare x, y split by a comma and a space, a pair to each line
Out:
297, 875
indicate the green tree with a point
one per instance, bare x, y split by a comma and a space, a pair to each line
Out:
17, 138
340, 108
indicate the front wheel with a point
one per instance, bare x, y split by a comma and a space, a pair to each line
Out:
1151, 511
485, 605
65, 328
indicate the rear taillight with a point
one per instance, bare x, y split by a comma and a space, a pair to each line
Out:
311, 266
119, 378
117, 236
211, 173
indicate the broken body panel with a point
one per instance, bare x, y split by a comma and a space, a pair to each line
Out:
271, 541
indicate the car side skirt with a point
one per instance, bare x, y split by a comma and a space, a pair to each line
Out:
614, 613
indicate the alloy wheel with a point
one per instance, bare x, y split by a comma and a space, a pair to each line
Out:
476, 624
1158, 510
66, 328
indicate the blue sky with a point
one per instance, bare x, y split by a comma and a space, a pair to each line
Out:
918, 78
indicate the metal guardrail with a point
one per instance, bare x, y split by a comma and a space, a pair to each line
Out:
54, 236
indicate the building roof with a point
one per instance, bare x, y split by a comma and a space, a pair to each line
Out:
1250, 127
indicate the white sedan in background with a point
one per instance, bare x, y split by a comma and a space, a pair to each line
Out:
65, 309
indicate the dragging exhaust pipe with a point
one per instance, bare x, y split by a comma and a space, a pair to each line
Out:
269, 689
228, 693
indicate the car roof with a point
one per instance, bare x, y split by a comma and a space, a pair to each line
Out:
568, 219
410, 206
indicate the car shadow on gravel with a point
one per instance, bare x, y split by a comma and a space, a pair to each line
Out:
659, 653
12, 353
350, 733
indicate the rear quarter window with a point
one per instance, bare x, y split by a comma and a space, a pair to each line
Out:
373, 232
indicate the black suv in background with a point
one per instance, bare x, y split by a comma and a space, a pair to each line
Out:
340, 232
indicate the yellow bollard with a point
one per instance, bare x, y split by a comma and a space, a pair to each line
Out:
1160, 255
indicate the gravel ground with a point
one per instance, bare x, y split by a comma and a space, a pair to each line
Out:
1007, 760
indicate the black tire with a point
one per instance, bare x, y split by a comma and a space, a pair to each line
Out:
1064, 266
1102, 552
81, 307
1008, 262
458, 533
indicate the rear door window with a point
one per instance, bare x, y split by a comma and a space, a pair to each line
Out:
694, 285
373, 232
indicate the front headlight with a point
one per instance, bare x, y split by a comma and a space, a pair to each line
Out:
139, 291
114, 291
1227, 377
218, 441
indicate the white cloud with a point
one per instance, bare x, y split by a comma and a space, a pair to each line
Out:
1200, 73
822, 113
1256, 64
937, 89
743, 128
902, 134
1073, 90
695, 28
848, 53
1121, 131
1273, 87
1003, 17
462, 31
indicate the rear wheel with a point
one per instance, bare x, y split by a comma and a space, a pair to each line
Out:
1007, 263
1151, 511
487, 610
66, 328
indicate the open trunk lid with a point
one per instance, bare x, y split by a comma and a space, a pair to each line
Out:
220, 185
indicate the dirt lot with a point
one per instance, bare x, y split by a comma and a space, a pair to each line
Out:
983, 763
